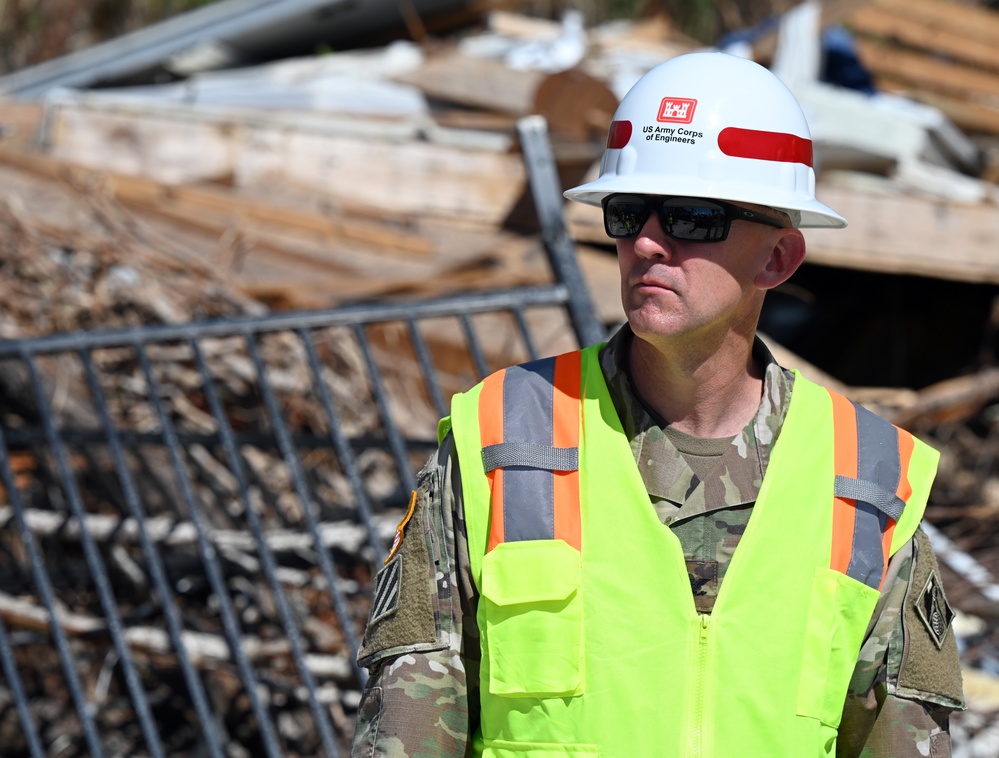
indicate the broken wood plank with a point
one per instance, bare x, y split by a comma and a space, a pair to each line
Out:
972, 22
572, 101
422, 179
204, 649
412, 168
189, 201
522, 26
906, 235
879, 22
952, 400
485, 83
922, 71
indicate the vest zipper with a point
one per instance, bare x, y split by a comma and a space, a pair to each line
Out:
695, 742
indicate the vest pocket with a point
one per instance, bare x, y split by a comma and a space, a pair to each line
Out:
839, 610
533, 611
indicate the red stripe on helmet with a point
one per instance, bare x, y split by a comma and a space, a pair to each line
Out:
619, 135
765, 146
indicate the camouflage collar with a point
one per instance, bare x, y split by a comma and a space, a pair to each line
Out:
737, 475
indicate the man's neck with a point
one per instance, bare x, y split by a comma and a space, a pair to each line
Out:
713, 391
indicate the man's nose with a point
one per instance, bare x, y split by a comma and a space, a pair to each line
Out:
652, 241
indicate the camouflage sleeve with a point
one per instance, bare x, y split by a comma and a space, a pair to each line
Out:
908, 677
421, 698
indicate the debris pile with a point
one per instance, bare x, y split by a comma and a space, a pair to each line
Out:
391, 175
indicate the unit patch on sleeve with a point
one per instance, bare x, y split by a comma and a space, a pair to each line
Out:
387, 585
403, 616
934, 610
931, 666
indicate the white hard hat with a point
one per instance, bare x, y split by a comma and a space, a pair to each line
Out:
712, 125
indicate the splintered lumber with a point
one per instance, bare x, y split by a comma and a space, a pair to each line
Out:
878, 21
920, 70
202, 227
952, 400
484, 83
204, 649
572, 101
418, 178
973, 23
941, 53
283, 256
295, 257
395, 168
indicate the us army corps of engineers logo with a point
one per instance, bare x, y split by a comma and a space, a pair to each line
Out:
934, 610
676, 110
673, 110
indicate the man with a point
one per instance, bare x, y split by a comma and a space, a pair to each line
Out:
669, 545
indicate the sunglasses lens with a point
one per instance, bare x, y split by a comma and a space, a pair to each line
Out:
625, 215
692, 221
696, 223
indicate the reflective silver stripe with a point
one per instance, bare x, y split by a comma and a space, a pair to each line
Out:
878, 473
509, 454
529, 493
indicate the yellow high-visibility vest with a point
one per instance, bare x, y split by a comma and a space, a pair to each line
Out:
591, 644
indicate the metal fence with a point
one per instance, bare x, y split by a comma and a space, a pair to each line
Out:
192, 515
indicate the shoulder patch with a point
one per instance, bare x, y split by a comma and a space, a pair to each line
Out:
387, 585
931, 668
404, 615
934, 611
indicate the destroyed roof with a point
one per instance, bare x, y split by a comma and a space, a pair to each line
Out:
222, 34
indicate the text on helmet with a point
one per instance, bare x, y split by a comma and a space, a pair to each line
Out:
670, 134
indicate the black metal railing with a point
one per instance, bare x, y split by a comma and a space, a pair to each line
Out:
192, 515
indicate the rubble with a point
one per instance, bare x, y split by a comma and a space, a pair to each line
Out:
235, 194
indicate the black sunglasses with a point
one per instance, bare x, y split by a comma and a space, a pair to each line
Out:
687, 219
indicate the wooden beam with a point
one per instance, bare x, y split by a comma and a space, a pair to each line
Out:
876, 21
908, 235
923, 71
189, 202
383, 165
486, 83
972, 22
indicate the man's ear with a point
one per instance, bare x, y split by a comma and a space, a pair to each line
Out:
787, 254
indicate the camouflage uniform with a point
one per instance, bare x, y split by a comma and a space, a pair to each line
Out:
422, 645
